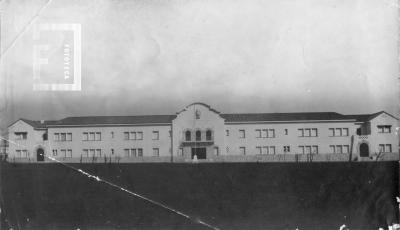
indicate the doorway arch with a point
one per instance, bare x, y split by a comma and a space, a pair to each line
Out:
40, 154
364, 150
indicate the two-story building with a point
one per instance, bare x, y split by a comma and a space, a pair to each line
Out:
201, 132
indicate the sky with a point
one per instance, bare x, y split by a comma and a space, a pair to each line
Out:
157, 56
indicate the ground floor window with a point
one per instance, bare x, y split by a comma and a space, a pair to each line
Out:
385, 148
339, 148
156, 152
308, 149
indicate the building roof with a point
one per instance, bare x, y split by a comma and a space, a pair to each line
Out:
230, 118
254, 117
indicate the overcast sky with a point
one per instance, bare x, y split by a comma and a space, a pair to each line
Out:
156, 56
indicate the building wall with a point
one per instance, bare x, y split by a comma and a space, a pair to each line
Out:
118, 142
292, 139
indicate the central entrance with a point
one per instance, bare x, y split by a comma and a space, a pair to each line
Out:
201, 153
364, 150
40, 154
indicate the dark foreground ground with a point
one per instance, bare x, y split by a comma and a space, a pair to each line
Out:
226, 195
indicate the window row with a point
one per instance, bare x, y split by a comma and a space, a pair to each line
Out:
265, 149
133, 152
385, 148
312, 132
199, 135
339, 148
133, 135
63, 153
308, 149
21, 135
62, 136
338, 132
92, 136
384, 128
91, 153
21, 153
265, 133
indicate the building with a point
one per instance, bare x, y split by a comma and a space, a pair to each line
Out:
199, 131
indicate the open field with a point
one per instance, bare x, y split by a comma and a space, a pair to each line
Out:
226, 195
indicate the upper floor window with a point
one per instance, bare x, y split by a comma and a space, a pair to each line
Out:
338, 132
384, 128
227, 132
242, 133
62, 136
133, 135
286, 149
92, 136
44, 136
198, 135
308, 132
156, 135
385, 148
112, 134
242, 150
21, 135
188, 136
208, 135
258, 133
286, 131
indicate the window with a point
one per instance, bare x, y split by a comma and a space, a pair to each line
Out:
156, 152
208, 135
21, 135
271, 133
331, 132
56, 137
346, 149
98, 136
338, 132
339, 149
133, 152
127, 152
112, 134
308, 149
85, 153
63, 136
332, 148
54, 152
44, 136
271, 150
384, 128
85, 136
139, 136
63, 152
170, 133
264, 133
286, 132
300, 132
180, 152
156, 135
132, 135
227, 132
91, 136
385, 148
92, 152
126, 135
24, 153
286, 149
188, 135
307, 133
198, 135
242, 150
345, 131
112, 151
258, 150
18, 153
216, 151
242, 133
227, 149
258, 133
265, 150
98, 152
314, 132
69, 153
314, 149
69, 136
140, 152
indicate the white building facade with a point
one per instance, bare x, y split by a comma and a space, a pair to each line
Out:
202, 133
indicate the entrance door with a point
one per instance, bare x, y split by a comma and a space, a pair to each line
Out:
201, 153
364, 150
40, 154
